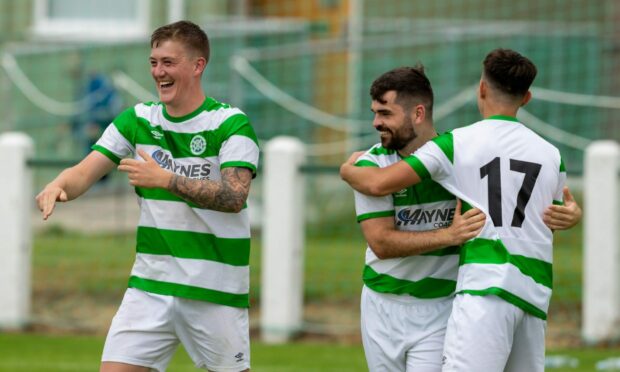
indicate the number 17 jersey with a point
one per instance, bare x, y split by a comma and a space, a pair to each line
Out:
512, 175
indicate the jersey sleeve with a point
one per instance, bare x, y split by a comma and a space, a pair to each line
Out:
239, 145
367, 207
117, 141
434, 159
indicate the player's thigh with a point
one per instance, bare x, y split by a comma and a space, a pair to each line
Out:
382, 347
480, 334
425, 355
141, 333
401, 335
528, 349
216, 337
122, 367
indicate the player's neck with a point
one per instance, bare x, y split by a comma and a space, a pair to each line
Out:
417, 142
186, 107
497, 109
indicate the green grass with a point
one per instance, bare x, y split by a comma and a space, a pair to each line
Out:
46, 353
51, 353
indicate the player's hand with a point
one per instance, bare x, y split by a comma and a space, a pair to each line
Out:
344, 168
353, 158
467, 225
562, 217
145, 173
47, 198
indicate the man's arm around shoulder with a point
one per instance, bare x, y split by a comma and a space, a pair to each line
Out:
378, 181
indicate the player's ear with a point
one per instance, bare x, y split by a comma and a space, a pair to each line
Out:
482, 89
200, 64
419, 113
526, 98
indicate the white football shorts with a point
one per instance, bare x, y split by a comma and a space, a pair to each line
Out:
148, 327
403, 333
486, 333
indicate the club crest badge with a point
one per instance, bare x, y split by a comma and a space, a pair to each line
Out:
198, 145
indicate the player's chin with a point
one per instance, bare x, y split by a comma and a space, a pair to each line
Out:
164, 98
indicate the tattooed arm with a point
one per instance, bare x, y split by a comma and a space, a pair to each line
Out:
227, 195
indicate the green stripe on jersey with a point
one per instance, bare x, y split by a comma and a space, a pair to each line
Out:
446, 144
365, 163
452, 250
191, 292
239, 164
161, 194
424, 288
126, 124
185, 244
488, 251
107, 153
562, 166
380, 150
508, 297
427, 191
367, 216
418, 167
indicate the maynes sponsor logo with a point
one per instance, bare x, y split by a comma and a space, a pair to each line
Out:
439, 217
198, 171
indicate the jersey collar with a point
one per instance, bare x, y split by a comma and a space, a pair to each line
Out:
503, 117
191, 115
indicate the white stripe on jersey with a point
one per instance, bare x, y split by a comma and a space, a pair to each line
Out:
114, 142
415, 268
194, 272
238, 147
212, 119
178, 216
483, 276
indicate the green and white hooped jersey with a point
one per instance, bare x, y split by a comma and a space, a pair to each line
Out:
426, 206
512, 174
183, 250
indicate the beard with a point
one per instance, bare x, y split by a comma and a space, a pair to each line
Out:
398, 139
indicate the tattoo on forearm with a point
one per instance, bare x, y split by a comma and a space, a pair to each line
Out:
227, 195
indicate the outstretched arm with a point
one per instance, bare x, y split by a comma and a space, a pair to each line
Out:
73, 182
388, 242
378, 181
563, 217
226, 195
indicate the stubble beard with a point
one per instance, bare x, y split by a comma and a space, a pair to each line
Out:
400, 138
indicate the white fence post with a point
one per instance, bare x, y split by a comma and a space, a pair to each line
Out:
283, 239
601, 276
15, 229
